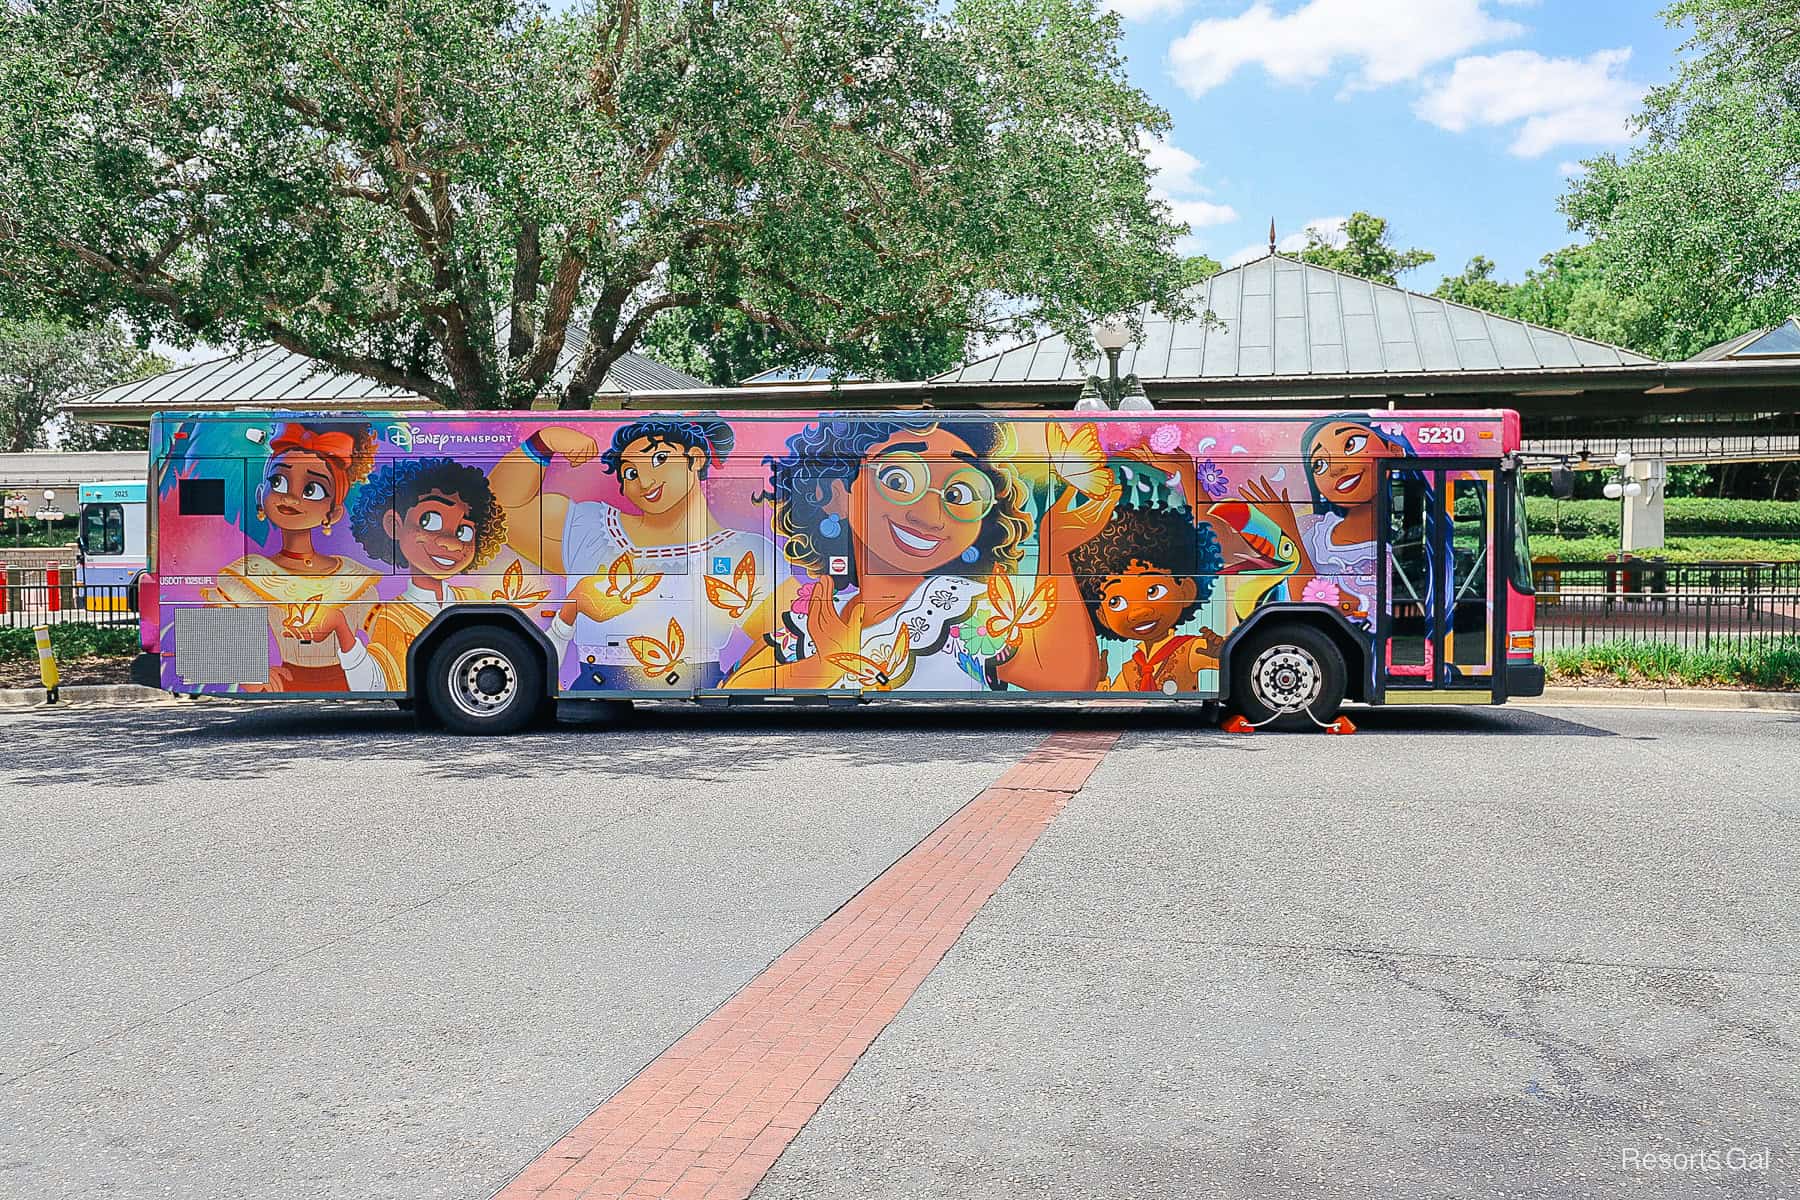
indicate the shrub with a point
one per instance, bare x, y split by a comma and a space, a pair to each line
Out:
71, 641
1770, 664
1681, 515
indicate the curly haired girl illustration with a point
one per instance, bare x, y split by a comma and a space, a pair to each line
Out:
436, 518
1145, 575
310, 471
911, 530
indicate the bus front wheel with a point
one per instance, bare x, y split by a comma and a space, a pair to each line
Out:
1280, 674
485, 680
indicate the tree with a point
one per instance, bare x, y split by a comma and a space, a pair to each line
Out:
431, 194
724, 347
1701, 224
1476, 287
1366, 251
42, 364
1568, 290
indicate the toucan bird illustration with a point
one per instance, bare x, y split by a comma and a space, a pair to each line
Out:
1269, 560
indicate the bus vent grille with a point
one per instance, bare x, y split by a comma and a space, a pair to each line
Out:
222, 645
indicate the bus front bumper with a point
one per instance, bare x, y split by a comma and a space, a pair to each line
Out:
1524, 680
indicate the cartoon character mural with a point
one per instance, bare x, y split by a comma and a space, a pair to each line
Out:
307, 592
1146, 575
913, 533
915, 553
630, 612
436, 518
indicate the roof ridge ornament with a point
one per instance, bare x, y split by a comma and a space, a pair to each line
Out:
1271, 236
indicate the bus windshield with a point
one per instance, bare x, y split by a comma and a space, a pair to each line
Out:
102, 530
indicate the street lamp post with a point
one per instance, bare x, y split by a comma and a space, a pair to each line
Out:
1624, 489
1100, 395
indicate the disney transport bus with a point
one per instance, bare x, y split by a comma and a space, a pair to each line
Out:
485, 566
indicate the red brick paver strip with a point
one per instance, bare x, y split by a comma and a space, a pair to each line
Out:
713, 1112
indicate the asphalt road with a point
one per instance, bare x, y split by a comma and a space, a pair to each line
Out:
306, 951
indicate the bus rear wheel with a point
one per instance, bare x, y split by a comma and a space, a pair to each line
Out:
1280, 674
485, 681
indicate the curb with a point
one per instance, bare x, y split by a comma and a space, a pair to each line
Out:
82, 693
1715, 699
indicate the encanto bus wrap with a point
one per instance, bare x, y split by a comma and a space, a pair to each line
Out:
486, 565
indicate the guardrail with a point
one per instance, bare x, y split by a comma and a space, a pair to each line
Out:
51, 595
1691, 606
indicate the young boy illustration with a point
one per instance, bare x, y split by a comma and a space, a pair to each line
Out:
436, 518
1144, 576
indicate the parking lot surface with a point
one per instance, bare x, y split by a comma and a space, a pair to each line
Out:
305, 950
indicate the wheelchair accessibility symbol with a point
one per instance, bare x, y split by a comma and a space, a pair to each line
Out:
721, 564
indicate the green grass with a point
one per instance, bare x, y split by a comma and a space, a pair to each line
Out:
1675, 549
71, 641
1772, 664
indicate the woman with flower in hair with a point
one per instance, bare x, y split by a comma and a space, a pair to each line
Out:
911, 531
305, 485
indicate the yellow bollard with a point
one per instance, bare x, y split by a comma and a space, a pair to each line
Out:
47, 663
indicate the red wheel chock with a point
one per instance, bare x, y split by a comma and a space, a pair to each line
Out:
1341, 725
1237, 723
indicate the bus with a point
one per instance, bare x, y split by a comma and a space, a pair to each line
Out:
110, 546
485, 568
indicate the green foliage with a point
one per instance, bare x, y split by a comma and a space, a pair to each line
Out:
1700, 225
1567, 291
71, 640
1770, 664
1366, 252
444, 194
1675, 549
33, 532
86, 435
724, 347
44, 363
1681, 515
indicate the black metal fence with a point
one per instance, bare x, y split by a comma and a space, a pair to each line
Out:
36, 596
1688, 606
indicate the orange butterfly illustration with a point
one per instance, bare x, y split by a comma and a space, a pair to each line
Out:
658, 657
623, 581
299, 616
1013, 618
884, 669
1077, 459
512, 587
736, 597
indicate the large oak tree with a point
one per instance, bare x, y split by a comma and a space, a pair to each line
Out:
457, 196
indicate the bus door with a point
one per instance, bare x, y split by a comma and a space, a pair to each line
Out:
1438, 626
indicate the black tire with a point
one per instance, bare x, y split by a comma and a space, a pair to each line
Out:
1286, 664
484, 681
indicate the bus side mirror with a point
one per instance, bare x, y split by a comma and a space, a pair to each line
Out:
1562, 483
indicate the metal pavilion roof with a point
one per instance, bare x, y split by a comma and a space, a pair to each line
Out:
1281, 318
1777, 341
270, 376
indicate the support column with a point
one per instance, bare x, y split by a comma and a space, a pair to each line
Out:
1644, 514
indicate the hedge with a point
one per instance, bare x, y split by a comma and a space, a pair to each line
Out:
71, 640
1675, 549
1771, 664
1681, 514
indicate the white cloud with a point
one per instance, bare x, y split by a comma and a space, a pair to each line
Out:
1175, 180
1553, 101
1329, 228
1143, 10
1383, 41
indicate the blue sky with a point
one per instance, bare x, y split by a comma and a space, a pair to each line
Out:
1456, 119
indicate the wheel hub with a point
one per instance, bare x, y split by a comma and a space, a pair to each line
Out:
483, 682
1286, 678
